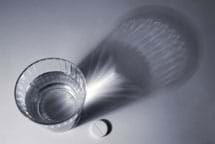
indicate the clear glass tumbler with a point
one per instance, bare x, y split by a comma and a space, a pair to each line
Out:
51, 92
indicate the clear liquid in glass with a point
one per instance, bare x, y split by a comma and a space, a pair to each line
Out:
52, 98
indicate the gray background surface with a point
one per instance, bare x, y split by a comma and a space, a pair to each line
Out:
70, 29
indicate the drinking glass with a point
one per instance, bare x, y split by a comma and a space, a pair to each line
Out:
51, 92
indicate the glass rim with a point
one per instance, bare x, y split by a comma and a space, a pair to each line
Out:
38, 61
